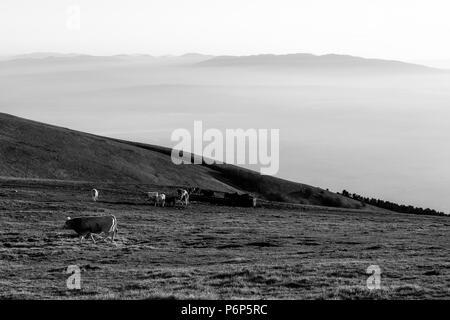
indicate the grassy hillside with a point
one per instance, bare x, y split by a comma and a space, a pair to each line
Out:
213, 252
31, 149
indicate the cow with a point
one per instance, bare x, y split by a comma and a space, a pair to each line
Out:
160, 199
183, 196
152, 196
94, 193
239, 200
171, 200
88, 226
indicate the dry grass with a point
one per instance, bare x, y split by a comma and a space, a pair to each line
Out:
215, 252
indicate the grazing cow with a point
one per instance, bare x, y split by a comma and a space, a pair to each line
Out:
152, 196
239, 200
88, 226
171, 200
94, 194
160, 199
183, 196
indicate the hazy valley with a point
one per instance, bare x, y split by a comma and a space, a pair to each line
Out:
378, 133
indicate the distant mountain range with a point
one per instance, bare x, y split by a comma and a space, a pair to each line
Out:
314, 63
70, 57
40, 55
298, 61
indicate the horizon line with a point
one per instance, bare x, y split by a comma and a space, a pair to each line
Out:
54, 54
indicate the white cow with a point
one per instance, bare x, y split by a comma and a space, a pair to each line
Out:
94, 194
183, 196
161, 199
157, 198
153, 196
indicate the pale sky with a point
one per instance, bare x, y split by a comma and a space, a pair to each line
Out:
390, 29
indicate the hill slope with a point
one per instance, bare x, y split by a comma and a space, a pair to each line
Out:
31, 149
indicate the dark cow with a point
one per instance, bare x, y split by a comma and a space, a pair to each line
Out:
171, 200
239, 200
88, 226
